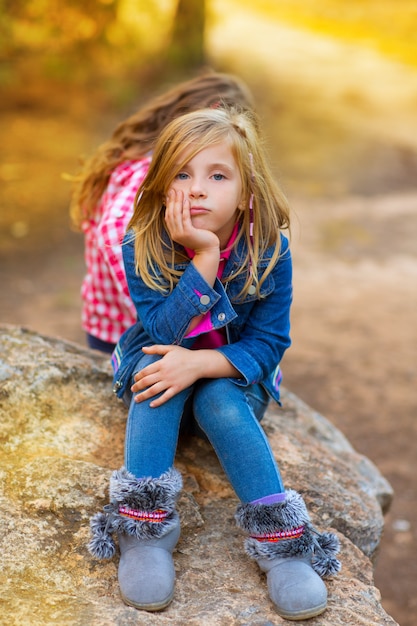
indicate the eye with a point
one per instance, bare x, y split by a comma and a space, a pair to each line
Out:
181, 176
219, 176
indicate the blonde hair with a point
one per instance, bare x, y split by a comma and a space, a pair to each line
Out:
136, 136
155, 253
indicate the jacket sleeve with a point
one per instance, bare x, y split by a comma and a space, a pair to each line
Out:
265, 334
166, 318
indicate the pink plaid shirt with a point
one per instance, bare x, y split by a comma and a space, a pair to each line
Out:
107, 310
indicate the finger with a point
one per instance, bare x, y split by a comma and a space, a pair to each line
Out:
157, 349
174, 201
145, 381
146, 371
186, 215
149, 392
169, 206
164, 397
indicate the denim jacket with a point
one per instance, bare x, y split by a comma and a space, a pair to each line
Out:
257, 329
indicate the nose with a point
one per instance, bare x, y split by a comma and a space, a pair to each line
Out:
196, 189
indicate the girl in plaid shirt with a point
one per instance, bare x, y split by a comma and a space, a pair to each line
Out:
104, 196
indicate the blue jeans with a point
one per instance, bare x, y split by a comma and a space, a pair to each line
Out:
98, 344
227, 413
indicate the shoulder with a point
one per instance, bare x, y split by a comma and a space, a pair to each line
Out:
128, 250
129, 238
285, 246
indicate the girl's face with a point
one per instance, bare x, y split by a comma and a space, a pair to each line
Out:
211, 183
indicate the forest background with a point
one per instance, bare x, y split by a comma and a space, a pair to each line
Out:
336, 88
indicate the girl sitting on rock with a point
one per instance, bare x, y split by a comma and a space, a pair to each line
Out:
209, 272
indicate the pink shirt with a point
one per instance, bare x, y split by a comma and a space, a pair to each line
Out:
107, 310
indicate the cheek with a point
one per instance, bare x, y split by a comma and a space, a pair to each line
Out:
239, 201
177, 185
174, 183
239, 196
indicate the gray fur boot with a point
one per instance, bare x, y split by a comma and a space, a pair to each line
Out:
294, 556
142, 513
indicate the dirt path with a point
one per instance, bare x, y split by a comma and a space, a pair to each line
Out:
345, 147
354, 355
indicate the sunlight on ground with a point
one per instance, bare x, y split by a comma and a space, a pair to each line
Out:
349, 85
386, 26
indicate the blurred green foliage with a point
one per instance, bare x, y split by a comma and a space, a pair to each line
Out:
53, 44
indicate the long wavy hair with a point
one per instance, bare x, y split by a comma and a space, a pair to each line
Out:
264, 213
134, 137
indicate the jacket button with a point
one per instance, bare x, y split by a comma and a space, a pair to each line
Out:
204, 300
252, 290
221, 317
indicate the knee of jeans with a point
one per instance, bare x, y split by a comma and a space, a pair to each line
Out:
213, 392
218, 402
144, 360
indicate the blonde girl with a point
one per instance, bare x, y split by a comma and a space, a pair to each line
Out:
209, 272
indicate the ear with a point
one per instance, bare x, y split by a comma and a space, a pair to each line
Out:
241, 206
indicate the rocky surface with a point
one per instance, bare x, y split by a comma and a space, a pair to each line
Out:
62, 434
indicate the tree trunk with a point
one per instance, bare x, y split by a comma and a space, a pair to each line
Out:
186, 48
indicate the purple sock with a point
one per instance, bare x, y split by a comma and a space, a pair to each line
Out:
272, 499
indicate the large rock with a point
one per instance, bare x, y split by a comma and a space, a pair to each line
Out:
62, 434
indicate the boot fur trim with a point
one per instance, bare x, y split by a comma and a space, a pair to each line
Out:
287, 516
147, 494
268, 518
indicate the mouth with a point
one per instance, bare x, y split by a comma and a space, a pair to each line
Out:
198, 210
